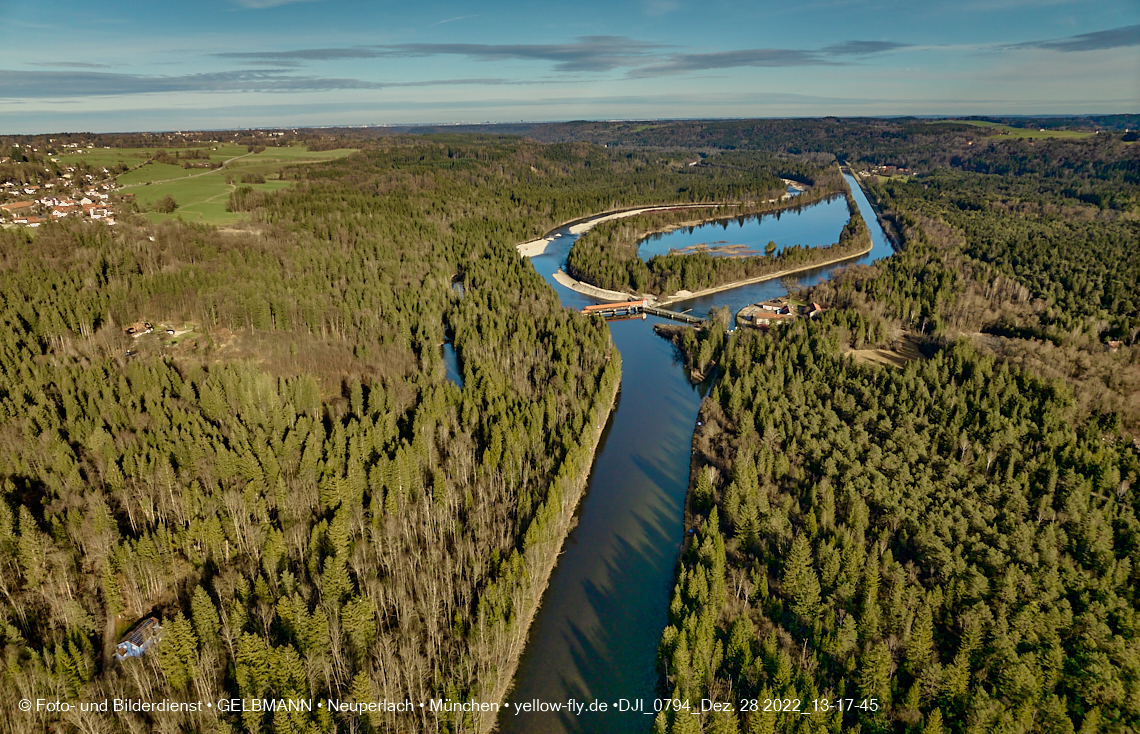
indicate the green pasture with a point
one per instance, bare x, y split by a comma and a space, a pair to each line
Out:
201, 199
132, 157
1021, 132
202, 194
106, 157
154, 172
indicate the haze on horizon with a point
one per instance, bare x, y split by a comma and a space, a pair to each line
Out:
274, 63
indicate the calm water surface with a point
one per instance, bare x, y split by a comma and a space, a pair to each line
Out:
596, 633
738, 298
451, 363
815, 225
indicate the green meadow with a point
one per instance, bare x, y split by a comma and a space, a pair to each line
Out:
107, 157
202, 194
1021, 132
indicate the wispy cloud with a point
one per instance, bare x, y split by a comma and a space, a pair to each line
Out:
452, 20
683, 63
67, 65
67, 84
262, 4
766, 57
1097, 41
862, 48
296, 58
589, 53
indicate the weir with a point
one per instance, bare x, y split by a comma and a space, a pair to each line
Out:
675, 315
629, 308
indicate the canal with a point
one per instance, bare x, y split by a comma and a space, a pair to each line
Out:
595, 636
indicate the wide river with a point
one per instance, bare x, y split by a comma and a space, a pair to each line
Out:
595, 635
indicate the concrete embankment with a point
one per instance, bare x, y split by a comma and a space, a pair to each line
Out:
687, 295
885, 224
592, 290
684, 295
583, 224
603, 294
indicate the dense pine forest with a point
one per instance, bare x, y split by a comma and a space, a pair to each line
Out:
955, 540
1036, 260
287, 479
282, 472
948, 540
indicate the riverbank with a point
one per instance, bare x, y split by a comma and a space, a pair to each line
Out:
543, 548
686, 295
628, 258
669, 224
725, 216
534, 248
583, 224
886, 225
592, 291
603, 294
785, 203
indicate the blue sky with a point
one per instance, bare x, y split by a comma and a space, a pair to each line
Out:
134, 65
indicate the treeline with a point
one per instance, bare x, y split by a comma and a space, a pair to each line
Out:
948, 541
1082, 262
1040, 257
295, 488
538, 195
607, 255
1078, 122
195, 158
919, 145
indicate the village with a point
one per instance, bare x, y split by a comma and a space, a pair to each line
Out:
64, 192
92, 204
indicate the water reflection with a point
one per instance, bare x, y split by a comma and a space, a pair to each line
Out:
738, 298
596, 633
814, 225
451, 363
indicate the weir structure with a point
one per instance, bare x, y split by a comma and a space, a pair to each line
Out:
629, 308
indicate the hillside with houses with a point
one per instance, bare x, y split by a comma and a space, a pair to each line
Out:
38, 185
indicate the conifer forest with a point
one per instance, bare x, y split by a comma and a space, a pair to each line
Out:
924, 498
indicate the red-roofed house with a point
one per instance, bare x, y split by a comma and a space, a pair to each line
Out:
17, 206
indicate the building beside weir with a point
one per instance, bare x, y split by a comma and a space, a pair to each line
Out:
777, 311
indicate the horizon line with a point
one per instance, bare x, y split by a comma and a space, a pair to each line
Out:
454, 123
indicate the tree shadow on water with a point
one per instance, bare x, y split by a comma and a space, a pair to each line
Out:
619, 660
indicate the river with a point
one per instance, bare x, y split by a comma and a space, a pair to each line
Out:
815, 225
595, 636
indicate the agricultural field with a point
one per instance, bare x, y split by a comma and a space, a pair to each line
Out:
1021, 132
106, 157
202, 194
135, 157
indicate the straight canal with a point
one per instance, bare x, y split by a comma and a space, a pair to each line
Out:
595, 636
